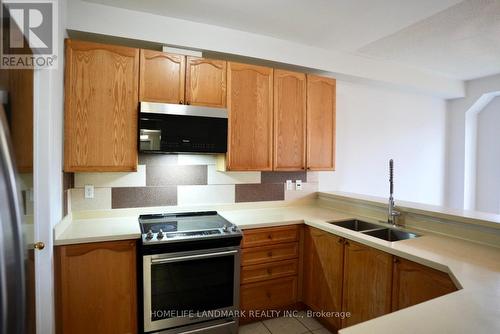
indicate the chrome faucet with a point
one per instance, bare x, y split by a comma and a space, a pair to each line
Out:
392, 214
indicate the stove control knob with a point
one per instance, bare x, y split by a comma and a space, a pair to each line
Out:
225, 228
235, 228
159, 235
149, 235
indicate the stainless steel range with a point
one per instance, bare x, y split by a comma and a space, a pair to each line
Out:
190, 280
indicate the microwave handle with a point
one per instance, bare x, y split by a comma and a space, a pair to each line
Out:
192, 257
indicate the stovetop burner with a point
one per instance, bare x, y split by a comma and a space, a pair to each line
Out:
174, 227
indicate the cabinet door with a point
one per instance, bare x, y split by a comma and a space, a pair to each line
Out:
250, 104
206, 82
100, 107
323, 266
367, 283
321, 94
289, 120
96, 288
21, 121
414, 283
268, 295
162, 77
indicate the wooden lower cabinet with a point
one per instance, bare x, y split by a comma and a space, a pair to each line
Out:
367, 283
269, 294
334, 275
415, 283
96, 289
265, 271
323, 267
270, 235
271, 253
270, 270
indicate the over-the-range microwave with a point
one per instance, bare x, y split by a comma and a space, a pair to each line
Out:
177, 128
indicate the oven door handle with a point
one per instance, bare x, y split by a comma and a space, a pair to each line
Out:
213, 327
192, 257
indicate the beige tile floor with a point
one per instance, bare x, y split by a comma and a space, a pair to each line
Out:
285, 325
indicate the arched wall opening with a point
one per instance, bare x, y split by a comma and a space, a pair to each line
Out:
471, 146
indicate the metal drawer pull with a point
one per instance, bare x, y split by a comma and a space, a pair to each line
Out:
192, 257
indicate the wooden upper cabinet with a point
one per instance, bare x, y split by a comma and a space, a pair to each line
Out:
101, 90
250, 104
414, 283
162, 77
367, 283
21, 121
206, 82
323, 268
289, 120
96, 288
321, 95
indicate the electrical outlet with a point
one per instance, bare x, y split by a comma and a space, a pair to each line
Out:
89, 191
289, 185
298, 184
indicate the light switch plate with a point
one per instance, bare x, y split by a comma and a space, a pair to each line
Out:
89, 191
289, 185
298, 184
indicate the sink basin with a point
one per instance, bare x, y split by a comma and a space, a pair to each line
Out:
356, 225
389, 234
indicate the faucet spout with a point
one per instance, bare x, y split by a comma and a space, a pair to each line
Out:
392, 214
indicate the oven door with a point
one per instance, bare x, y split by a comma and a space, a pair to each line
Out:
180, 287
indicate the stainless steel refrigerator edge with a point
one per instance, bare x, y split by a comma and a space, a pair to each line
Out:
12, 256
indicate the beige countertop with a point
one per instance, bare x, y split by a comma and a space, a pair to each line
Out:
474, 267
486, 219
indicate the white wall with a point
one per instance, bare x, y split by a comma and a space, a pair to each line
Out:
96, 18
488, 159
375, 124
456, 111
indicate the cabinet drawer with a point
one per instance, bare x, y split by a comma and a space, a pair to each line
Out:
266, 254
270, 235
269, 294
266, 271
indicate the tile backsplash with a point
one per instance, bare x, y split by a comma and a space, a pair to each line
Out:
164, 180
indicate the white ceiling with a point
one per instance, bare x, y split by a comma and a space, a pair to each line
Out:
462, 41
456, 39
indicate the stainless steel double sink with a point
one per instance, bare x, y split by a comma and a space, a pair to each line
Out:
374, 230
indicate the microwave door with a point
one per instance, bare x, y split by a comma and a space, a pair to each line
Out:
167, 133
150, 140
